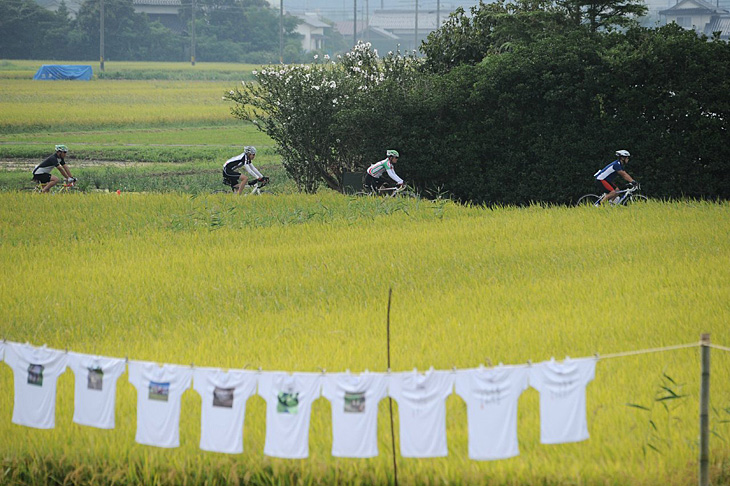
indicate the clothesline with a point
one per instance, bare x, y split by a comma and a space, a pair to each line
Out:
529, 362
723, 348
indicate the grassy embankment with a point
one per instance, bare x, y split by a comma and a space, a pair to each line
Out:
300, 282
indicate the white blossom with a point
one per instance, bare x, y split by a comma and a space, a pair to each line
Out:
254, 72
326, 57
316, 56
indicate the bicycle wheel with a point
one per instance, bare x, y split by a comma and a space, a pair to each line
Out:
636, 198
588, 200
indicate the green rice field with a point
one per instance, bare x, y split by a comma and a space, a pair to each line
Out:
169, 272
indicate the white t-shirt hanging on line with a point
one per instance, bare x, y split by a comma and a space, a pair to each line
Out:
159, 392
95, 388
354, 400
288, 410
422, 411
2, 350
491, 397
224, 395
35, 372
562, 388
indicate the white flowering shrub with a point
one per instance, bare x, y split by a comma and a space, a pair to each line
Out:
307, 109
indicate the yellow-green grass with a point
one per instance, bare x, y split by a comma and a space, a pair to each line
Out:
154, 121
300, 282
29, 105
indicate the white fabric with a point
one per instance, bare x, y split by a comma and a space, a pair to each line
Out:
2, 350
159, 392
491, 397
253, 171
95, 388
224, 395
354, 400
422, 411
35, 373
288, 410
562, 388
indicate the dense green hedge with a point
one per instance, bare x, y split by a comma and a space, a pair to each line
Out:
536, 123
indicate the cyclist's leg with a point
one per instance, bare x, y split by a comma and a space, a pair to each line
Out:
608, 189
48, 181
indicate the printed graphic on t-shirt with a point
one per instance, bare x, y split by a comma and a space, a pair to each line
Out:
355, 402
35, 374
159, 391
95, 379
223, 397
490, 395
288, 403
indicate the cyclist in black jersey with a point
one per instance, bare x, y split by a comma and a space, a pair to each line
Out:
42, 171
237, 180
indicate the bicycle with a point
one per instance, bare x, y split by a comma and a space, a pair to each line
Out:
390, 191
625, 197
255, 185
65, 186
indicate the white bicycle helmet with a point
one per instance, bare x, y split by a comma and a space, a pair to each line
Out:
249, 149
623, 153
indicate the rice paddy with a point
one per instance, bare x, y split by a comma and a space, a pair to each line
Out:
300, 283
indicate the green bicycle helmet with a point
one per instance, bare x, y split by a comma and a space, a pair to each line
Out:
61, 148
392, 153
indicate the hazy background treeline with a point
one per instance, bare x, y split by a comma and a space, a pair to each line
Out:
226, 30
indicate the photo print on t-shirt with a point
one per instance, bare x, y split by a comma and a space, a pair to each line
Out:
223, 397
355, 402
35, 374
288, 403
159, 391
95, 378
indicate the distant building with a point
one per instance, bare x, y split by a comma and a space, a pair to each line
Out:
388, 30
312, 28
700, 16
167, 12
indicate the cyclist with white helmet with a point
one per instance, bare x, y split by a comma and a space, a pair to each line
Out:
606, 176
374, 177
42, 171
237, 180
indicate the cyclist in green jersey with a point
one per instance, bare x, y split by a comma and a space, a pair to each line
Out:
374, 177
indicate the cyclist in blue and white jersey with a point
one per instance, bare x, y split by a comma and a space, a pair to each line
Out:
237, 180
374, 177
606, 176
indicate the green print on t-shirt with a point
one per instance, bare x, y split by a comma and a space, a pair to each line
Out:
355, 402
288, 403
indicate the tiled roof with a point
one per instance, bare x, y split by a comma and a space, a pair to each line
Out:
167, 3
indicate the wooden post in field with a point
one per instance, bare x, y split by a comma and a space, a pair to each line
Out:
390, 400
192, 37
705, 411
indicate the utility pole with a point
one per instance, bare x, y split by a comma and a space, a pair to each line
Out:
438, 14
192, 38
415, 38
354, 23
281, 31
101, 35
367, 19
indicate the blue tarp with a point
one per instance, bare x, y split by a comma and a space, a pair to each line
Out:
51, 72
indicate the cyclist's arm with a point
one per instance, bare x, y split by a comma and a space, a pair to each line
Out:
625, 175
253, 171
395, 177
64, 170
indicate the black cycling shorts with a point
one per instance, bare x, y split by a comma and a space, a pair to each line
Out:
43, 177
232, 178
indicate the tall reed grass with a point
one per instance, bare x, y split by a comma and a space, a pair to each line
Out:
299, 282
